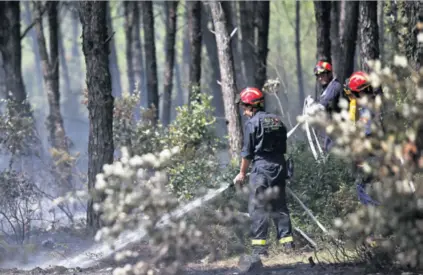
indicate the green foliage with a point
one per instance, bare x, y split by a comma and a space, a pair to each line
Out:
192, 131
17, 131
327, 188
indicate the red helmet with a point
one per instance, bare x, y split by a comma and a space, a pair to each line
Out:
251, 96
322, 67
358, 82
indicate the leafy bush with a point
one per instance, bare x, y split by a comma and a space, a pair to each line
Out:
192, 131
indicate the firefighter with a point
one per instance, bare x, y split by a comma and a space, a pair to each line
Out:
330, 95
265, 142
358, 86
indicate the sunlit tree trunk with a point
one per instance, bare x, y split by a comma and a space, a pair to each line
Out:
50, 64
227, 77
214, 88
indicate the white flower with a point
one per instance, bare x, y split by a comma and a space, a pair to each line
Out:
400, 61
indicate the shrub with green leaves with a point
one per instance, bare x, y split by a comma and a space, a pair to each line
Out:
192, 131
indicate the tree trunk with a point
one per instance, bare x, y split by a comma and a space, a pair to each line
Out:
369, 33
348, 36
37, 60
150, 56
195, 39
64, 66
100, 99
186, 57
381, 24
113, 60
3, 94
298, 53
10, 48
214, 88
50, 65
231, 12
335, 35
228, 77
322, 13
246, 17
414, 49
138, 57
129, 25
262, 21
171, 16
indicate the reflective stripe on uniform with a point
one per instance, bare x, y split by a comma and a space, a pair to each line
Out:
286, 240
258, 242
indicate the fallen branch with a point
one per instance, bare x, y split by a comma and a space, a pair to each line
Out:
307, 210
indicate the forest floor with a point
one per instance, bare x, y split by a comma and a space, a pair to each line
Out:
65, 246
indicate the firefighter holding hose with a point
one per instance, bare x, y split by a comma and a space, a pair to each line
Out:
265, 142
329, 96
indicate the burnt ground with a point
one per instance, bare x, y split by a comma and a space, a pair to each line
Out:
66, 244
298, 264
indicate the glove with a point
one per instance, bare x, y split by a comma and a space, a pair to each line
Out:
309, 101
313, 109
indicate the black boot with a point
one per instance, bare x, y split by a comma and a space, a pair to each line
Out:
249, 263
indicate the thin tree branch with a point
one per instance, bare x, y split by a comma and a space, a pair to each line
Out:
34, 21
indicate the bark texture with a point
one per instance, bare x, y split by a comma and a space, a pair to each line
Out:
50, 64
171, 16
195, 39
10, 48
213, 86
369, 33
100, 99
381, 25
322, 13
335, 35
150, 56
414, 49
246, 30
262, 21
349, 25
227, 77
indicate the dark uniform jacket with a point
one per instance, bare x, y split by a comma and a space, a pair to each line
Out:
265, 139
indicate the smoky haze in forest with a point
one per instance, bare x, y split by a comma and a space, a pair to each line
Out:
131, 115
